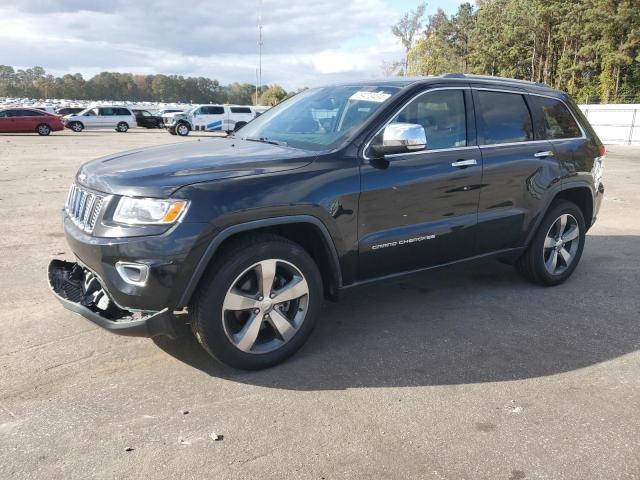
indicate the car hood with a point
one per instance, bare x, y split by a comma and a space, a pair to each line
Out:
160, 171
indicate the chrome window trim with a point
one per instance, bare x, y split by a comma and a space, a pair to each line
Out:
463, 87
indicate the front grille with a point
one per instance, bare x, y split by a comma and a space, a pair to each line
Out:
83, 207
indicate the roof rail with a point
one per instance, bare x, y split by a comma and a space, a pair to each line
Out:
492, 77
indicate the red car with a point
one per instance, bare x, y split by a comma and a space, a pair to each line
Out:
26, 120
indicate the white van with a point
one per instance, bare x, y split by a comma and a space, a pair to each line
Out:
208, 118
116, 117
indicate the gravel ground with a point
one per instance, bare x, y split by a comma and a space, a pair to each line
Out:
460, 373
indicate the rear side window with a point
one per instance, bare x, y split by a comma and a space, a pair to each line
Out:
504, 118
121, 111
558, 121
240, 110
106, 111
442, 115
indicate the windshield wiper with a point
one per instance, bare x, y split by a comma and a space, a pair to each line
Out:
265, 140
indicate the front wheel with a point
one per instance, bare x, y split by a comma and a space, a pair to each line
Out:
556, 248
258, 303
43, 129
76, 126
182, 130
122, 127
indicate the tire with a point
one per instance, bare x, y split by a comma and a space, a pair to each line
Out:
238, 126
172, 131
182, 129
223, 327
122, 127
43, 129
556, 248
76, 126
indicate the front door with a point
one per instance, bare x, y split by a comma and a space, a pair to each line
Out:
419, 209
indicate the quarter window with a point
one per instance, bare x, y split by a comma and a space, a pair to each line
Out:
504, 118
442, 115
558, 121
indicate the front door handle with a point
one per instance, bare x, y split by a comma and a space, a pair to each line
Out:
465, 163
546, 153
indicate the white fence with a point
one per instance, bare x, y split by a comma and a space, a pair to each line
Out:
615, 124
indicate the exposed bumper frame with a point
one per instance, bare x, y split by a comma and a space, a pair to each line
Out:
151, 325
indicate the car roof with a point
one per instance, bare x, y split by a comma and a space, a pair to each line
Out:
453, 78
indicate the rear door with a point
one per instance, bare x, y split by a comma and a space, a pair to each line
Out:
239, 114
519, 167
25, 120
419, 209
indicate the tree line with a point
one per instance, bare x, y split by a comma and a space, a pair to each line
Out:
38, 84
589, 48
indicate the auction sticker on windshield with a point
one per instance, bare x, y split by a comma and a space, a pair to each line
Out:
377, 97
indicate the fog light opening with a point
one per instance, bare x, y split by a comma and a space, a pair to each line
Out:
133, 273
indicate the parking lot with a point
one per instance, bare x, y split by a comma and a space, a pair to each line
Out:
461, 373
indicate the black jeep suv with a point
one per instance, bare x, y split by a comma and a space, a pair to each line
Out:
243, 237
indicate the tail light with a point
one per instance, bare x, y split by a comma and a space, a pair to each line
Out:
602, 150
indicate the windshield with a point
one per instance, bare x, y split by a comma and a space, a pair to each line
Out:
320, 118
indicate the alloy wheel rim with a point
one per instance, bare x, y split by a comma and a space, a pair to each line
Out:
265, 306
182, 129
561, 244
43, 129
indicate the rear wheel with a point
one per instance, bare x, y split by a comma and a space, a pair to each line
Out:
259, 302
557, 246
122, 127
76, 126
171, 130
182, 129
43, 129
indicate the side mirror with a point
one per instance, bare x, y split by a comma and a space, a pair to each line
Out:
400, 138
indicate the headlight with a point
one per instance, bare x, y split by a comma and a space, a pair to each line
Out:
149, 211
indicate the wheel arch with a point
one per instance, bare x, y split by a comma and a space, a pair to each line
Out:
306, 230
580, 193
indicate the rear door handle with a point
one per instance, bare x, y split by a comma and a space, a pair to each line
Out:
465, 163
546, 153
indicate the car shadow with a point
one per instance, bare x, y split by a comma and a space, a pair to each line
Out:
469, 323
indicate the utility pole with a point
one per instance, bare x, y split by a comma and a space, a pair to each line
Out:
259, 72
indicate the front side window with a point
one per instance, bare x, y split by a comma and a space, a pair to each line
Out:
442, 115
558, 121
3, 114
504, 118
320, 118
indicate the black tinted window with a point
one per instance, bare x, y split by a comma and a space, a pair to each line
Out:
504, 118
558, 121
4, 114
211, 110
442, 114
121, 111
240, 110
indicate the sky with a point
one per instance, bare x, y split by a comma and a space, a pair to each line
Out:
305, 43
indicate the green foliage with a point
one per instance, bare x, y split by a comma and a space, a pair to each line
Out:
590, 48
272, 95
36, 83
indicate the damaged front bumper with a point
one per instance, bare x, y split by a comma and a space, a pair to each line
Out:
80, 290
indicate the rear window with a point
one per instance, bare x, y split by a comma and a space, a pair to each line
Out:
558, 121
504, 118
240, 110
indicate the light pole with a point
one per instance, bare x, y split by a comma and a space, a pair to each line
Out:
259, 72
